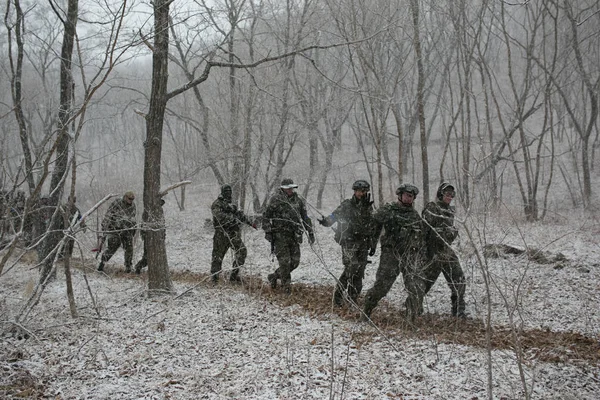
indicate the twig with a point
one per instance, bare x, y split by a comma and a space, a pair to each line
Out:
173, 186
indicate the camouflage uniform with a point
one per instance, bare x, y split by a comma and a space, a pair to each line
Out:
354, 232
119, 227
143, 263
285, 220
158, 225
227, 220
402, 246
440, 233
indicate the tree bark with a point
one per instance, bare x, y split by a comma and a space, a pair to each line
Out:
414, 4
159, 279
62, 142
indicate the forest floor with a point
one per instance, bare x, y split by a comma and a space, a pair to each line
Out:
249, 341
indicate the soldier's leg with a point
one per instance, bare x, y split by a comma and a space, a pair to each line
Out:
455, 278
283, 258
293, 262
220, 247
412, 273
342, 284
431, 272
127, 242
239, 258
384, 279
113, 242
143, 263
359, 264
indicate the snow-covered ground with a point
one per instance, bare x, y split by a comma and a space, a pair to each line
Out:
222, 342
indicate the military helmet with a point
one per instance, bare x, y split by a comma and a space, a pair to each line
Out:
407, 188
226, 188
129, 195
444, 187
287, 183
361, 185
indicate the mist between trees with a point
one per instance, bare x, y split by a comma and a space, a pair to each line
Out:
499, 98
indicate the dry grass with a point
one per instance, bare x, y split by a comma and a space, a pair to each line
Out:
537, 344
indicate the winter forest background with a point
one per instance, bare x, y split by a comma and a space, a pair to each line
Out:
498, 97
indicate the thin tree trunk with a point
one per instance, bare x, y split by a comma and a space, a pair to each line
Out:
159, 279
420, 102
62, 142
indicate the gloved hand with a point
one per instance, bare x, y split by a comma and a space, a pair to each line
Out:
368, 201
269, 237
325, 221
311, 238
372, 251
232, 207
450, 233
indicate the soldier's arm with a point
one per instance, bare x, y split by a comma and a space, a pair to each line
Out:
306, 221
334, 216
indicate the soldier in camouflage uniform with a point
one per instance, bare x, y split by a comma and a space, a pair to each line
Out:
440, 233
119, 230
354, 232
284, 221
227, 220
402, 246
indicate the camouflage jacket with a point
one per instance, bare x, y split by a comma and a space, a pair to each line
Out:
439, 226
286, 214
226, 216
354, 220
120, 216
402, 228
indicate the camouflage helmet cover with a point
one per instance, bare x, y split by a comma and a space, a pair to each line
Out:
226, 188
444, 187
361, 185
407, 188
287, 183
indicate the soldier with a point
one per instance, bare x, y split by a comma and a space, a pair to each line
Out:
440, 233
227, 220
118, 227
354, 232
284, 222
402, 246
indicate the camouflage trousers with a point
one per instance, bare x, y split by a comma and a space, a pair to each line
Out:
116, 240
223, 241
354, 258
391, 264
447, 263
287, 251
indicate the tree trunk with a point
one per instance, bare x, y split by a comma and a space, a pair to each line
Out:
62, 142
159, 279
420, 101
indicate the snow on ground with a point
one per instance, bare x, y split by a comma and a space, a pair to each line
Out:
218, 343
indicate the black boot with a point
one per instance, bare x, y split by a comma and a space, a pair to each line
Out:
272, 278
235, 277
101, 266
138, 267
365, 316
